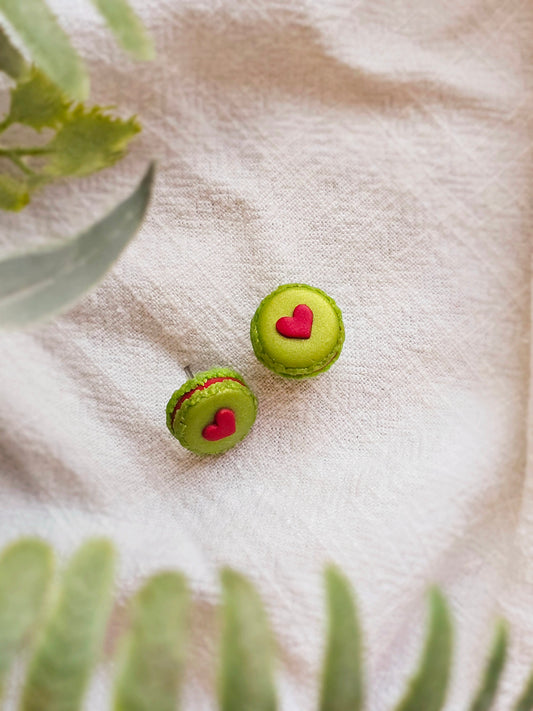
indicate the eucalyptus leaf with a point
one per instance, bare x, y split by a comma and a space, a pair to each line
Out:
493, 670
153, 652
48, 44
246, 680
26, 570
12, 62
342, 682
525, 702
40, 282
127, 27
70, 642
427, 689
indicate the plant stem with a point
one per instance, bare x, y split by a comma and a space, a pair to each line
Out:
17, 161
23, 151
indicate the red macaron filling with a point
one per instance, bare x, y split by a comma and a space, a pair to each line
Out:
202, 386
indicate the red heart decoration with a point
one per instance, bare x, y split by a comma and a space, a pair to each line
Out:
298, 325
223, 426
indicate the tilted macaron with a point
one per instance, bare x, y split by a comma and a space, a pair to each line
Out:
297, 331
212, 412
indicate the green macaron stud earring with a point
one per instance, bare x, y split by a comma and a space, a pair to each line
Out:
297, 331
212, 412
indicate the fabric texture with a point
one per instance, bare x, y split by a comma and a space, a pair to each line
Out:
381, 151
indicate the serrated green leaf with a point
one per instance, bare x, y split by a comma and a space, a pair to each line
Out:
246, 673
525, 702
87, 142
427, 689
127, 27
342, 682
43, 281
71, 640
48, 44
12, 62
153, 652
484, 697
37, 102
14, 194
26, 570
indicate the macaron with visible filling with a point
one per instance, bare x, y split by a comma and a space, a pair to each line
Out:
297, 331
212, 412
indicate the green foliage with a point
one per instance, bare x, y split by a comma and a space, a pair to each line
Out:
70, 641
42, 281
87, 142
151, 655
50, 48
26, 570
48, 44
427, 689
86, 139
127, 27
493, 671
37, 102
342, 684
246, 665
14, 194
12, 62
525, 702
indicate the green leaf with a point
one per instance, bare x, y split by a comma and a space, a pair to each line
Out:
87, 142
246, 673
26, 569
14, 193
342, 682
48, 44
68, 648
153, 652
37, 102
427, 689
12, 62
493, 671
43, 281
127, 27
525, 702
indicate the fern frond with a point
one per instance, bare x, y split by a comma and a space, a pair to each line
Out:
525, 702
26, 570
342, 683
427, 689
69, 644
246, 655
151, 655
493, 670
153, 650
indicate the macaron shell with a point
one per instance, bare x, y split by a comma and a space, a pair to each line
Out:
196, 412
295, 357
193, 383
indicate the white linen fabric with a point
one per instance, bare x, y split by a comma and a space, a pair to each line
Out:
380, 150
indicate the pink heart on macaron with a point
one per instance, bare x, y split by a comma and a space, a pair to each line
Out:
298, 325
223, 426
